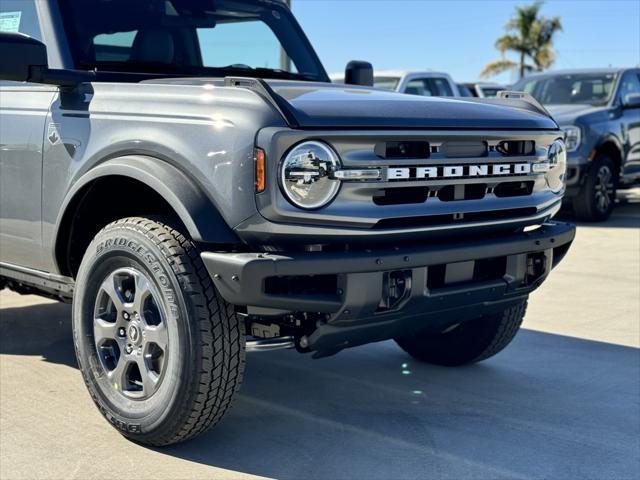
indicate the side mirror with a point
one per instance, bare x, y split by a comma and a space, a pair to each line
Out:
24, 59
19, 54
631, 100
359, 73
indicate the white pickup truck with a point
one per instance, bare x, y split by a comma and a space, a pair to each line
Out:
424, 82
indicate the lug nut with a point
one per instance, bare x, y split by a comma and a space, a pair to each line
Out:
122, 332
126, 316
128, 349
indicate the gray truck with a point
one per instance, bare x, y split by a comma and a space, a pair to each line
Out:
599, 111
184, 172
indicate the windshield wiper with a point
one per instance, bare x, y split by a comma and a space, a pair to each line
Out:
155, 68
273, 72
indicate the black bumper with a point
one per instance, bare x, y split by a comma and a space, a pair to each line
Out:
461, 278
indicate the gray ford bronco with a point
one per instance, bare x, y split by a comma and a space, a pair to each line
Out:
184, 172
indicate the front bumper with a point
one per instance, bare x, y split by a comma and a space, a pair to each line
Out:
471, 277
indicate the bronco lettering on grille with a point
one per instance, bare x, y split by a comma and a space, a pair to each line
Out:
457, 171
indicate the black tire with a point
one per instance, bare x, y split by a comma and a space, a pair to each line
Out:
470, 342
195, 368
596, 199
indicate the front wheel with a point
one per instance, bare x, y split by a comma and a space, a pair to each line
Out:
597, 197
160, 352
468, 342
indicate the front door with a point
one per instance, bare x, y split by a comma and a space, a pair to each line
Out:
630, 84
23, 111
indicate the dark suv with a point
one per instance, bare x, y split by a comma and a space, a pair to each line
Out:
599, 110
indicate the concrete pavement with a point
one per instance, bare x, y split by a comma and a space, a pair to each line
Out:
563, 401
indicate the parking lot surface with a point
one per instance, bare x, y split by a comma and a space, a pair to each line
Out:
563, 401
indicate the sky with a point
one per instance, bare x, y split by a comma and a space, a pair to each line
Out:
458, 36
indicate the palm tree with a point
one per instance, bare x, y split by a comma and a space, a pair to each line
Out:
531, 37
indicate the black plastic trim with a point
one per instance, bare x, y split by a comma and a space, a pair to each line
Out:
240, 277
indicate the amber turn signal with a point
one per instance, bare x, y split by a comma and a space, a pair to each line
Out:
260, 170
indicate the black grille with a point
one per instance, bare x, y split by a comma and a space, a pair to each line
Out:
513, 189
430, 220
515, 148
401, 196
403, 149
472, 191
455, 149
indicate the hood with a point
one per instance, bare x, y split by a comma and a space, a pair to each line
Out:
327, 105
567, 114
320, 105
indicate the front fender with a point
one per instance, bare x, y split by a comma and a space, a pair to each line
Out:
196, 211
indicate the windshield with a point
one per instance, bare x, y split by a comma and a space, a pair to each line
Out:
562, 89
464, 91
189, 37
388, 83
490, 92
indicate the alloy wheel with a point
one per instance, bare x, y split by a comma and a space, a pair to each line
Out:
130, 333
603, 189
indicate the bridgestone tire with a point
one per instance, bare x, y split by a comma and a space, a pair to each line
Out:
587, 205
470, 342
205, 350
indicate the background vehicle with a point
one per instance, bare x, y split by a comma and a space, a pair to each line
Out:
186, 189
484, 89
464, 91
599, 110
424, 83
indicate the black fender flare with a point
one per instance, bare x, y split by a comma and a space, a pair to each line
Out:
610, 138
195, 209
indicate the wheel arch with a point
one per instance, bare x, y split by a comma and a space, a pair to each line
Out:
611, 146
152, 186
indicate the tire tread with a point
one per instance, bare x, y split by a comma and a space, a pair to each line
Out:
221, 359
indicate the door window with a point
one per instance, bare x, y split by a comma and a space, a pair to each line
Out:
419, 86
441, 87
113, 47
630, 83
429, 87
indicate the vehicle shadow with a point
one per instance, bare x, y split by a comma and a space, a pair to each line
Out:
549, 406
40, 329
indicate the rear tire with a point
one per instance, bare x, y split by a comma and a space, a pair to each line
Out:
597, 197
469, 342
161, 353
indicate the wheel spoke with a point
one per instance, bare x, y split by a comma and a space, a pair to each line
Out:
149, 379
157, 335
103, 330
110, 288
118, 375
143, 290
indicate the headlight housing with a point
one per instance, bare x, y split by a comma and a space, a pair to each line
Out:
557, 158
306, 175
572, 137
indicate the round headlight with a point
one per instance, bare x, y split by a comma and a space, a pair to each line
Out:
557, 166
307, 175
